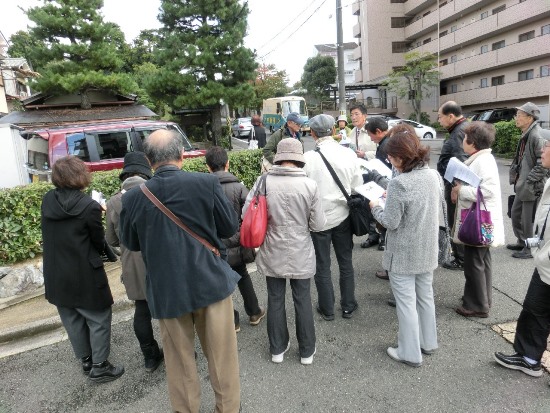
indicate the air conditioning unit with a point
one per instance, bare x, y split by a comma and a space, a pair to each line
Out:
23, 94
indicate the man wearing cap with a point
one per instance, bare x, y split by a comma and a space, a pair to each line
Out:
135, 172
364, 147
291, 129
337, 230
528, 177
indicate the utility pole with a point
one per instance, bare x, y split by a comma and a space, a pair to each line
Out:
340, 56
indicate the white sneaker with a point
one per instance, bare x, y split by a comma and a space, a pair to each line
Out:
278, 358
308, 360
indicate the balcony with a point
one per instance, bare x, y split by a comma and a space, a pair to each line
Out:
451, 9
426, 48
414, 6
357, 30
513, 16
512, 54
356, 8
358, 76
357, 53
421, 26
509, 91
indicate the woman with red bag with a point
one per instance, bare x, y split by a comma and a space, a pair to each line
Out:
293, 210
478, 138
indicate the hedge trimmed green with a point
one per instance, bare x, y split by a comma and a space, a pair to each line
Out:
20, 233
507, 138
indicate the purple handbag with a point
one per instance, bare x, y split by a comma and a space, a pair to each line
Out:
476, 226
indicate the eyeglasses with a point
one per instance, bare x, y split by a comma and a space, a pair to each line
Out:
518, 114
546, 144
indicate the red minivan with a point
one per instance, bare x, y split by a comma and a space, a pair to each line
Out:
101, 145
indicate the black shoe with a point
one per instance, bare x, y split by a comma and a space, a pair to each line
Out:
153, 357
86, 364
349, 313
517, 362
324, 316
382, 246
523, 254
515, 247
453, 265
369, 243
382, 274
391, 302
104, 372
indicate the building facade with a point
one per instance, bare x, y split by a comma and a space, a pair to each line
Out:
492, 53
350, 63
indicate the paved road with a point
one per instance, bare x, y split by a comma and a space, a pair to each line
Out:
350, 372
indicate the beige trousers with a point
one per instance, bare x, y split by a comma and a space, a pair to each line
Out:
216, 330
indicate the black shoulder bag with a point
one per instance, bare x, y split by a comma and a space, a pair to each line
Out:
358, 205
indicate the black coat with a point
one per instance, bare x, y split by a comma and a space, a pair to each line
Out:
259, 134
73, 236
182, 275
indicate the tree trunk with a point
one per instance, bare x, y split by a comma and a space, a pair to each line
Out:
216, 124
85, 100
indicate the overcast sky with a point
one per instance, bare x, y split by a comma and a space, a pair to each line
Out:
282, 32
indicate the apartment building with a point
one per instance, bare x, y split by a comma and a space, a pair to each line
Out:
492, 53
350, 63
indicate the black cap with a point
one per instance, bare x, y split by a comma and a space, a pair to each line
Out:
136, 163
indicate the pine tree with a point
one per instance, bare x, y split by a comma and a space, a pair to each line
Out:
76, 50
201, 57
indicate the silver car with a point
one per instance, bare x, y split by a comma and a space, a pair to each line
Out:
241, 127
422, 131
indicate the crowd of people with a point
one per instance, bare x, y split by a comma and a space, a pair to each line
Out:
179, 235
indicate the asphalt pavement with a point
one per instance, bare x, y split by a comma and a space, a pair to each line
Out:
350, 372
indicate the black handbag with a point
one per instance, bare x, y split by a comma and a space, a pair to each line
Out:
358, 205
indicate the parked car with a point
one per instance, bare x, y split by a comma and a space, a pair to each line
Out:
422, 131
101, 146
497, 115
241, 127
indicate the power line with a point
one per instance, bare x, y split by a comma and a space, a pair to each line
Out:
283, 29
292, 34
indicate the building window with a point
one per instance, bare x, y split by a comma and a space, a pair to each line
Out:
484, 15
428, 40
453, 28
527, 36
484, 82
545, 71
443, 62
453, 88
498, 45
526, 75
497, 80
443, 33
453, 59
545, 29
484, 49
399, 47
499, 9
397, 22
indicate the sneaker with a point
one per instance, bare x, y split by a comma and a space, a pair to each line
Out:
255, 319
382, 246
517, 362
237, 328
453, 265
308, 360
349, 313
392, 352
278, 358
153, 356
324, 316
104, 372
391, 302
427, 352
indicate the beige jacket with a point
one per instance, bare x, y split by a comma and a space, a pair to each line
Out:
294, 209
363, 142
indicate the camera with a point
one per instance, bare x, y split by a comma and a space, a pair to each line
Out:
533, 242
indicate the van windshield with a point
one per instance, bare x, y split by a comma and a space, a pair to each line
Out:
144, 132
298, 106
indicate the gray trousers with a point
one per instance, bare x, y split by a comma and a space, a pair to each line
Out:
415, 306
522, 219
277, 329
89, 331
479, 285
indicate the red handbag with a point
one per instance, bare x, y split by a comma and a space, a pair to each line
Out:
254, 225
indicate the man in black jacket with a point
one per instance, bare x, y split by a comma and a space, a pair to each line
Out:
450, 117
189, 287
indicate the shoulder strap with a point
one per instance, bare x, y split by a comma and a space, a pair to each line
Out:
334, 176
176, 220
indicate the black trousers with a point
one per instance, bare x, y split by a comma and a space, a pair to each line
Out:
458, 249
478, 274
533, 326
143, 327
246, 289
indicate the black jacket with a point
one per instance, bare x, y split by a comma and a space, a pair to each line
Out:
73, 236
453, 146
260, 136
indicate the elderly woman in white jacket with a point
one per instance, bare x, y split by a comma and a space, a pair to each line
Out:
478, 138
294, 209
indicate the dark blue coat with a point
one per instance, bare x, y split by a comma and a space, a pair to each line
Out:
182, 275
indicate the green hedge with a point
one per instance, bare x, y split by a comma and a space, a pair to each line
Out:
507, 138
20, 234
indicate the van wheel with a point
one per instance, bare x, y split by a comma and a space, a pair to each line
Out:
428, 135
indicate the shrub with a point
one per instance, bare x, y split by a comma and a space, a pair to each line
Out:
507, 138
20, 232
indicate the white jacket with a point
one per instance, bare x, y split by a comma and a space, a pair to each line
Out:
363, 142
483, 164
344, 162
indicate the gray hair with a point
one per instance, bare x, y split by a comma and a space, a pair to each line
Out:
163, 146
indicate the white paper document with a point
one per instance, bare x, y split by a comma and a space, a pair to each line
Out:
377, 165
457, 170
372, 191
